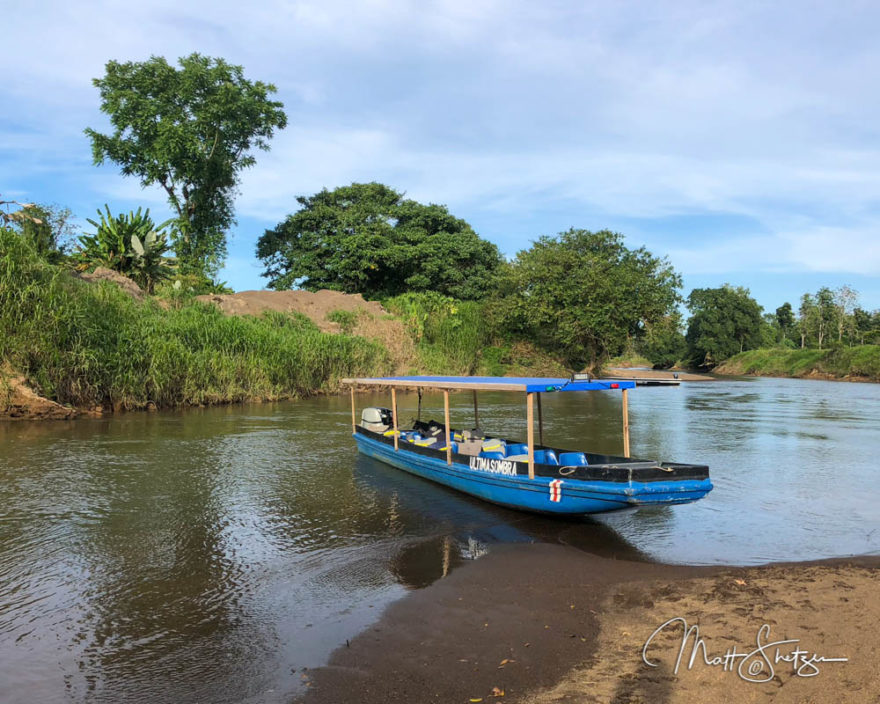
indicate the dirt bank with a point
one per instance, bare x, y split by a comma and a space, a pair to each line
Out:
19, 402
544, 623
372, 320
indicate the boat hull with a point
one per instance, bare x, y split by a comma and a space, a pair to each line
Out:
506, 484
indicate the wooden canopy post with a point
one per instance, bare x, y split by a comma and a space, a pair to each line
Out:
476, 411
540, 422
625, 424
530, 422
446, 421
394, 415
353, 414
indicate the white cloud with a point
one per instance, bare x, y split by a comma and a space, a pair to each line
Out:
758, 111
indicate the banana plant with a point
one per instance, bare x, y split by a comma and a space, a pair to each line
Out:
131, 244
149, 263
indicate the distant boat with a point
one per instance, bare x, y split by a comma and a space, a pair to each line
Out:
526, 476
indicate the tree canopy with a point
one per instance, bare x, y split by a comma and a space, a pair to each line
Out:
585, 294
367, 238
191, 130
724, 322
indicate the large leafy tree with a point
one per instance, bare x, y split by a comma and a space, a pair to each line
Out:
190, 130
585, 295
724, 322
367, 238
785, 320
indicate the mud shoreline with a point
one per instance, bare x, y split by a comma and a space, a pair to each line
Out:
546, 623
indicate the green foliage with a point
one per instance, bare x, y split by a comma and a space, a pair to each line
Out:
49, 230
345, 319
785, 320
366, 238
861, 361
724, 322
450, 334
89, 344
584, 295
664, 343
191, 130
131, 244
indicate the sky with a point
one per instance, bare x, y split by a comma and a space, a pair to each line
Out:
739, 139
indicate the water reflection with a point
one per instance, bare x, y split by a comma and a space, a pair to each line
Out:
211, 555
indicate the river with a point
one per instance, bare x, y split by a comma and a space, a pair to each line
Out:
217, 554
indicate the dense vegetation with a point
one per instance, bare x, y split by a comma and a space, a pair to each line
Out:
862, 361
192, 131
585, 295
367, 238
724, 321
88, 344
567, 303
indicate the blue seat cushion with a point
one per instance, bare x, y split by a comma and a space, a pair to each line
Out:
517, 449
573, 459
492, 455
545, 457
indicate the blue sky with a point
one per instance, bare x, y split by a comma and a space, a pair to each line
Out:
740, 139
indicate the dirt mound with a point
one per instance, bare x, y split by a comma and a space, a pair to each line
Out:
372, 320
315, 305
19, 402
103, 274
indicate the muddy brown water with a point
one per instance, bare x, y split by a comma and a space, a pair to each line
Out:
215, 555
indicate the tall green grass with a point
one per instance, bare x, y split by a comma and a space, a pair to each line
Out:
862, 361
449, 334
91, 344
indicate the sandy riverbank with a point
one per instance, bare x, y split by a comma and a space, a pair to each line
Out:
544, 623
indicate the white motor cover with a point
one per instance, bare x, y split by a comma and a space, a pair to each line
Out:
371, 415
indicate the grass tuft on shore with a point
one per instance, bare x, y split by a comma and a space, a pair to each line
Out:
840, 362
91, 344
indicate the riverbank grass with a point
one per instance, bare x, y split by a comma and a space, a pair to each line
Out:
861, 362
92, 345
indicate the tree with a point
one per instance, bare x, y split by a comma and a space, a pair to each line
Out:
367, 238
846, 300
663, 342
826, 314
866, 326
724, 322
49, 230
807, 315
584, 295
785, 319
191, 130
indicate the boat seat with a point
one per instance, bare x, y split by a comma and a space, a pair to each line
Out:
454, 448
493, 445
518, 458
492, 455
517, 449
469, 447
573, 459
545, 457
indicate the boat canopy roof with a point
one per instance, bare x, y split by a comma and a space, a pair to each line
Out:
529, 384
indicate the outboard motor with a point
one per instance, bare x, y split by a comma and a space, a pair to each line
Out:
376, 419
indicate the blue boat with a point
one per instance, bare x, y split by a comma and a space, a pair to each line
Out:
523, 475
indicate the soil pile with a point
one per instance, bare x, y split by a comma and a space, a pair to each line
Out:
372, 320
